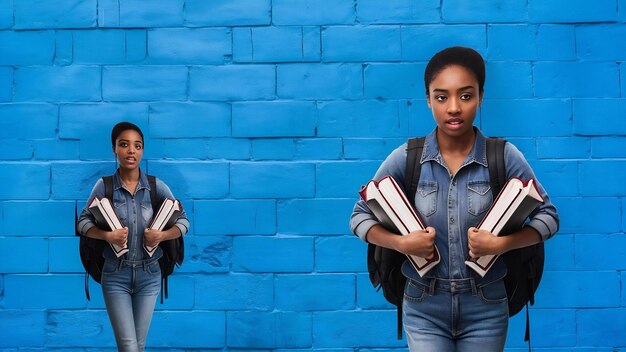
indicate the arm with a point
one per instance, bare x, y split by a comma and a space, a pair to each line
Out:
180, 228
87, 225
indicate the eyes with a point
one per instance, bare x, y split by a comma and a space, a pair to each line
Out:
464, 97
122, 144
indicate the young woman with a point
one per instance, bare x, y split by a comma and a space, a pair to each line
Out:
130, 283
453, 309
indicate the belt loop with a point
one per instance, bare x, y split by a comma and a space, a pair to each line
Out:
474, 288
431, 288
119, 264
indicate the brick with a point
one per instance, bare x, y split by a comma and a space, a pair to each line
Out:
398, 11
6, 83
235, 217
315, 216
26, 47
27, 180
79, 328
335, 329
393, 80
556, 42
612, 183
582, 289
274, 119
268, 330
576, 79
206, 254
256, 254
541, 332
180, 292
608, 147
604, 211
509, 80
492, 11
339, 254
21, 324
13, 149
245, 82
64, 48
588, 46
63, 255
273, 149
14, 250
228, 148
189, 180
99, 46
361, 43
187, 330
147, 83
108, 13
343, 179
18, 216
527, 146
6, 14
276, 44
136, 45
160, 13
272, 180
47, 83
200, 13
421, 121
577, 11
560, 251
598, 252
234, 292
89, 121
202, 45
83, 175
423, 41
369, 148
193, 120
368, 118
308, 81
62, 291
542, 117
551, 175
622, 279
315, 292
564, 148
318, 149
34, 14
612, 322
184, 148
367, 296
42, 121
501, 36
311, 12
594, 117
53, 149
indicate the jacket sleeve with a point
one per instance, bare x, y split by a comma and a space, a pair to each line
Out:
362, 218
544, 219
163, 192
86, 221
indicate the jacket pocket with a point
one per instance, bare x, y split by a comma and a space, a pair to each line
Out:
479, 197
426, 198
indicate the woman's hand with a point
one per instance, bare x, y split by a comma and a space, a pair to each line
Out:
118, 237
419, 243
151, 238
483, 242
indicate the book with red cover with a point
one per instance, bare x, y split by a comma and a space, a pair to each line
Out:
515, 202
164, 219
394, 211
106, 219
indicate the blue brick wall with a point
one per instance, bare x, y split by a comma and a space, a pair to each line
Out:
265, 117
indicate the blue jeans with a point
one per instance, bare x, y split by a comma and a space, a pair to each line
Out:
130, 290
455, 315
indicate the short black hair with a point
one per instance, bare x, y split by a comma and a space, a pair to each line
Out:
456, 55
121, 127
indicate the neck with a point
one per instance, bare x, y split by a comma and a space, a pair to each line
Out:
458, 144
129, 175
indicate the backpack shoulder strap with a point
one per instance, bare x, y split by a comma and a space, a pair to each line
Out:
495, 163
153, 193
414, 151
108, 187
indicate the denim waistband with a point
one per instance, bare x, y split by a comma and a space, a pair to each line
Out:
133, 263
448, 285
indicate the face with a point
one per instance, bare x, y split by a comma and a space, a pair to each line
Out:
454, 96
129, 149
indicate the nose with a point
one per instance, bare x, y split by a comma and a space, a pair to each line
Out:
454, 106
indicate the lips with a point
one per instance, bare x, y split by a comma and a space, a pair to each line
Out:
454, 122
130, 160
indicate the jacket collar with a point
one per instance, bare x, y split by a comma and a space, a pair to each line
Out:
143, 181
478, 153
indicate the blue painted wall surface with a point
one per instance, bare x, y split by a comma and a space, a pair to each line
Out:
265, 117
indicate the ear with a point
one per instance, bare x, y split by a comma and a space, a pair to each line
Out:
114, 149
480, 100
428, 101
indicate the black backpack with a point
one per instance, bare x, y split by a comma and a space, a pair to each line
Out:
524, 265
91, 249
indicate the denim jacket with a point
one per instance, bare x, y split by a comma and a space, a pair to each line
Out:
454, 203
134, 212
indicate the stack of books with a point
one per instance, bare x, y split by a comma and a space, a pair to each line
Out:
164, 219
105, 216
